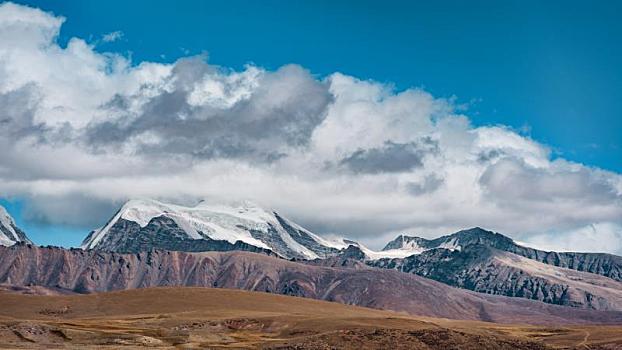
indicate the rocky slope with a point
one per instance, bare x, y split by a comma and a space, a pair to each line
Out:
488, 270
607, 265
88, 271
142, 225
9, 232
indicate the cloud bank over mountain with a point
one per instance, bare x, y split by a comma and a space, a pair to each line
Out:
82, 130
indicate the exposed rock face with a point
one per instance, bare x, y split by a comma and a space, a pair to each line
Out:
488, 270
163, 233
9, 232
142, 225
607, 265
89, 271
352, 257
402, 242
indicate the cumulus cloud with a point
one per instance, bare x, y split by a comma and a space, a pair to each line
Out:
206, 112
600, 237
390, 157
429, 184
82, 130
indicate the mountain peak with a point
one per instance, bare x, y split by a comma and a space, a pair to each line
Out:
405, 242
142, 224
478, 232
454, 241
471, 236
475, 231
9, 232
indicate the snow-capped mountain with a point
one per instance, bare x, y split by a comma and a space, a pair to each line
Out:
142, 225
489, 262
148, 224
403, 246
9, 232
455, 241
59, 270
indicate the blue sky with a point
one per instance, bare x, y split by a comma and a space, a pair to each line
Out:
44, 233
550, 68
547, 74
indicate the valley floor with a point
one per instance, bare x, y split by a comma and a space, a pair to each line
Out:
190, 318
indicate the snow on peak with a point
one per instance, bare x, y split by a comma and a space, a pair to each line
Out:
405, 242
249, 223
217, 221
244, 221
5, 218
403, 246
454, 242
8, 235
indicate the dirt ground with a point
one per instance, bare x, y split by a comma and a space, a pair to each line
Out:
200, 318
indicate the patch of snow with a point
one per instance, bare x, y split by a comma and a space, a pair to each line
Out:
412, 245
337, 243
452, 245
390, 253
5, 241
334, 242
7, 222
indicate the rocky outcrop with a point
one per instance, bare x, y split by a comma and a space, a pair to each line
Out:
607, 265
484, 269
402, 241
90, 271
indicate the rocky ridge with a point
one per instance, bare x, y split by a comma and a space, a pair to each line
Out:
83, 271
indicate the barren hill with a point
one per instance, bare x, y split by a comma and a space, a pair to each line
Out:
221, 318
91, 271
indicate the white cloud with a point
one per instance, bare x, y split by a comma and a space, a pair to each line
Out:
600, 237
112, 36
82, 130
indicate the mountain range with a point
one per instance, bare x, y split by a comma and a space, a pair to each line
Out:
151, 243
78, 271
489, 270
608, 265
